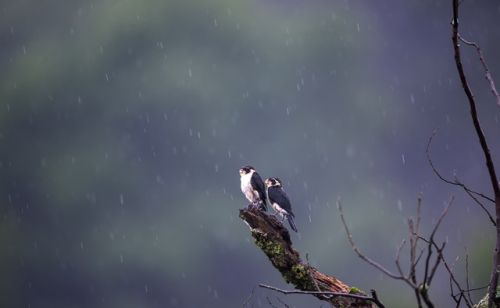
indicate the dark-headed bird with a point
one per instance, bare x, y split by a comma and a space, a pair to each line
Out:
253, 187
279, 201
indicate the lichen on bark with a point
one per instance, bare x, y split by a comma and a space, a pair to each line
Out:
274, 240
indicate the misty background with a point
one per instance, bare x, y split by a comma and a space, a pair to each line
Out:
123, 125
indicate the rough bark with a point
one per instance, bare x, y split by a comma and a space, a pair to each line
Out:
274, 240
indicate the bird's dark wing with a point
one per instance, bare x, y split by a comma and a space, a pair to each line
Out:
258, 184
278, 195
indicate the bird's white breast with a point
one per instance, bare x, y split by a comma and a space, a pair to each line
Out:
246, 187
245, 182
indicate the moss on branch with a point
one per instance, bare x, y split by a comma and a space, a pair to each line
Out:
274, 240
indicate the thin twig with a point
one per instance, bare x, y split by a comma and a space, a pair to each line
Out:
492, 220
431, 240
412, 275
358, 252
413, 247
460, 297
448, 181
437, 262
310, 275
476, 289
270, 303
452, 291
375, 297
398, 252
282, 302
429, 272
453, 279
419, 256
487, 73
467, 275
332, 294
456, 182
247, 300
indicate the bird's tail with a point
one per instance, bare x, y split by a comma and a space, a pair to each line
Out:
292, 224
263, 206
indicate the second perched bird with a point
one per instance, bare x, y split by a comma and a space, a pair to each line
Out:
253, 187
279, 200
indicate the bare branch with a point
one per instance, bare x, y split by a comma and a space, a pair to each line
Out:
453, 279
467, 275
487, 73
476, 289
282, 302
270, 302
247, 301
437, 262
452, 291
413, 248
331, 294
472, 104
310, 273
419, 256
492, 220
471, 193
455, 182
358, 252
375, 297
486, 151
274, 240
398, 252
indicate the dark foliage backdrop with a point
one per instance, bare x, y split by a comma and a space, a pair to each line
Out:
123, 125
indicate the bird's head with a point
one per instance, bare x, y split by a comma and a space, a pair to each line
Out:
246, 170
273, 182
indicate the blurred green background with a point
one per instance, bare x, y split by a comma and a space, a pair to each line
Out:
123, 125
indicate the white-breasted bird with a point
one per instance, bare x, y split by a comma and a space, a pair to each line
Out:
253, 187
280, 201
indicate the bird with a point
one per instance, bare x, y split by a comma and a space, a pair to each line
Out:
279, 201
253, 188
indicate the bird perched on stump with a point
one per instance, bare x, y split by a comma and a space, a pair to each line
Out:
279, 201
253, 187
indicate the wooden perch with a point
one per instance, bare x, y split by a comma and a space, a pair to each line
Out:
274, 240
